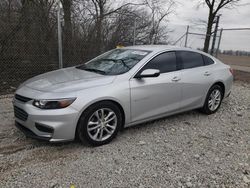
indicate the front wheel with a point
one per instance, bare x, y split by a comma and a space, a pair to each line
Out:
213, 100
100, 123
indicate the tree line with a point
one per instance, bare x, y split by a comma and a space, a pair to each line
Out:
28, 31
235, 52
29, 27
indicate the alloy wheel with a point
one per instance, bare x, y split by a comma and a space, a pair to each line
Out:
214, 100
102, 124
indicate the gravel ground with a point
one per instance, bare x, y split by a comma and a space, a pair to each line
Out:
185, 150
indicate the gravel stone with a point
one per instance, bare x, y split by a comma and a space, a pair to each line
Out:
142, 143
196, 156
246, 179
185, 150
189, 184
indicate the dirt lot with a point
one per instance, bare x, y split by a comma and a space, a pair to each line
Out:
235, 60
185, 150
238, 63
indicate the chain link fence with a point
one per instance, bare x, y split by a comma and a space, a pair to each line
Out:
27, 47
29, 41
231, 41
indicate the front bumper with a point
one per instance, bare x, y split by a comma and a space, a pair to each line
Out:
50, 125
29, 133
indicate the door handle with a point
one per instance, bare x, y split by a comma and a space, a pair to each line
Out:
176, 79
207, 73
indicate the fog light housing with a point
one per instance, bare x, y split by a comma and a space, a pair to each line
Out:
44, 128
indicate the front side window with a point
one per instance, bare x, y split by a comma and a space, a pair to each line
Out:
190, 59
165, 62
115, 62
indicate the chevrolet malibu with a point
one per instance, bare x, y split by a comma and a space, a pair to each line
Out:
120, 88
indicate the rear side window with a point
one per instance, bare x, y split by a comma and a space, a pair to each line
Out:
208, 60
165, 62
190, 59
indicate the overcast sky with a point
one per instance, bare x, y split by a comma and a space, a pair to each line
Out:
187, 13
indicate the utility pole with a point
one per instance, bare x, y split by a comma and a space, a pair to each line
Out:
218, 47
215, 33
59, 32
186, 39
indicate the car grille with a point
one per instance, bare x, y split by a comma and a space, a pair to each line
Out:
22, 98
20, 114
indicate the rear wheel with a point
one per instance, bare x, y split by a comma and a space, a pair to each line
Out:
100, 123
213, 100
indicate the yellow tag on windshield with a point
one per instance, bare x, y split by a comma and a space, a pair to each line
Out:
119, 46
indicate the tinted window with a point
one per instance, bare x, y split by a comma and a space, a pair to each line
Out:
191, 59
165, 62
208, 60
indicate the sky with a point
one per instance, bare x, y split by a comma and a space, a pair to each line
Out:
187, 13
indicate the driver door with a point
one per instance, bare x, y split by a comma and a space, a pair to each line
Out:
155, 96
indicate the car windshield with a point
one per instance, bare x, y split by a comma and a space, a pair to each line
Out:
115, 62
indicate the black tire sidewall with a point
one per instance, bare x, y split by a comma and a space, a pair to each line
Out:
82, 124
205, 108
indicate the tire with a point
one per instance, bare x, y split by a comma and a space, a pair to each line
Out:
208, 107
99, 123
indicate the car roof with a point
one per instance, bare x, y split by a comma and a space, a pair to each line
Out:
154, 47
159, 48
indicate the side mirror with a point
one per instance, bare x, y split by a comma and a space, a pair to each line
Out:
148, 73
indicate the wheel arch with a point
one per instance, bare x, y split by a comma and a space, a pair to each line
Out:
222, 85
103, 100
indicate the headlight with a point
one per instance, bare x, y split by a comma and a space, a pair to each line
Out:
53, 104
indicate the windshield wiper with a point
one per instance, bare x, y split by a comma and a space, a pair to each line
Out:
95, 70
118, 60
83, 67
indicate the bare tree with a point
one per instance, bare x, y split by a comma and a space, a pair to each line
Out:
159, 14
67, 29
102, 10
214, 7
28, 32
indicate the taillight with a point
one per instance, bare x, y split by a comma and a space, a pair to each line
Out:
231, 70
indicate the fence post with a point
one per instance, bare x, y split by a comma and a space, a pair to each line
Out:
134, 33
186, 36
218, 47
59, 31
215, 34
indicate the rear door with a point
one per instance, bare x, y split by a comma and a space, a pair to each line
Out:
196, 78
157, 95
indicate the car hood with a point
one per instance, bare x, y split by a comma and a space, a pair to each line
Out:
68, 79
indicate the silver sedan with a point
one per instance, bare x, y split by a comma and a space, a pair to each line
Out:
120, 88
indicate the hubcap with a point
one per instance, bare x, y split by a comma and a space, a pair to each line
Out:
214, 100
102, 124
